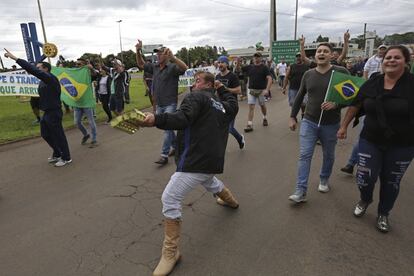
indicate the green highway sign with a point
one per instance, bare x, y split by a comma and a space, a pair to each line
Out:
285, 49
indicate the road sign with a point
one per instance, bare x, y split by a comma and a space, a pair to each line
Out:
285, 49
147, 49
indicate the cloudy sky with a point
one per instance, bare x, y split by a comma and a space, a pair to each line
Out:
77, 26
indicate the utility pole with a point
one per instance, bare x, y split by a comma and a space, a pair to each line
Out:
43, 25
365, 32
120, 39
296, 20
273, 29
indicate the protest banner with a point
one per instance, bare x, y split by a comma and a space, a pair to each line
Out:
187, 79
18, 84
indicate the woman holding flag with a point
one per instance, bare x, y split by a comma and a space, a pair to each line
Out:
386, 146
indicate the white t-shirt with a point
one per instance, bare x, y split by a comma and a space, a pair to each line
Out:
373, 65
282, 69
102, 85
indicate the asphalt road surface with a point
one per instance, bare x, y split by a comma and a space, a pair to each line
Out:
101, 215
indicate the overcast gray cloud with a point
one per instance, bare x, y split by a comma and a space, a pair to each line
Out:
89, 26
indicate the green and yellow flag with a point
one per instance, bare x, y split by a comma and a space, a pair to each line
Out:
76, 86
343, 88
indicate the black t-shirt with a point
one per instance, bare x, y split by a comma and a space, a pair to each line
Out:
148, 71
397, 113
230, 80
296, 74
257, 75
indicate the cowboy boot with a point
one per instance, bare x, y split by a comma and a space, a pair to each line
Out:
225, 198
170, 254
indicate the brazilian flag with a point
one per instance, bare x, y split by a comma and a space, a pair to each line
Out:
343, 88
76, 86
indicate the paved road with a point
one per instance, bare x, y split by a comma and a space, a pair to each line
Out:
102, 214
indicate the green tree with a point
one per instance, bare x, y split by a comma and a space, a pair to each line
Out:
396, 39
320, 38
196, 55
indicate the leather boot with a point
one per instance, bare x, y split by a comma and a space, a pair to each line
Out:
170, 254
225, 198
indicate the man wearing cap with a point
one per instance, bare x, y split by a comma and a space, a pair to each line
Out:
165, 76
232, 84
119, 85
260, 82
373, 64
294, 76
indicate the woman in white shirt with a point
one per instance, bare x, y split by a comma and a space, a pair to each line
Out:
103, 89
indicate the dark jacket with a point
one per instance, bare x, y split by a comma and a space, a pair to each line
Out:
388, 128
49, 87
202, 122
120, 81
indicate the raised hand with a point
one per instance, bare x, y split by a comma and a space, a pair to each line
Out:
9, 55
138, 46
347, 35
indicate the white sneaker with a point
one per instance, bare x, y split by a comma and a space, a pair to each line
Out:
62, 162
323, 186
298, 197
53, 159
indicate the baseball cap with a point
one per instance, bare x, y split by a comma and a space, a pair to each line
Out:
117, 62
297, 54
223, 59
382, 46
257, 54
159, 49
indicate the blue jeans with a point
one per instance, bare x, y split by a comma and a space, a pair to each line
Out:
88, 112
389, 164
169, 135
235, 133
353, 159
309, 134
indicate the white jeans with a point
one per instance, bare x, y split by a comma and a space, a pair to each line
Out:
180, 184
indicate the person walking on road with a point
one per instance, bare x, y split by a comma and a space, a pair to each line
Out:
281, 69
315, 83
79, 112
386, 144
260, 82
165, 76
51, 127
103, 89
202, 122
231, 83
294, 76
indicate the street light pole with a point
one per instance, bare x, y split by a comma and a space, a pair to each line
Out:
296, 20
120, 39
